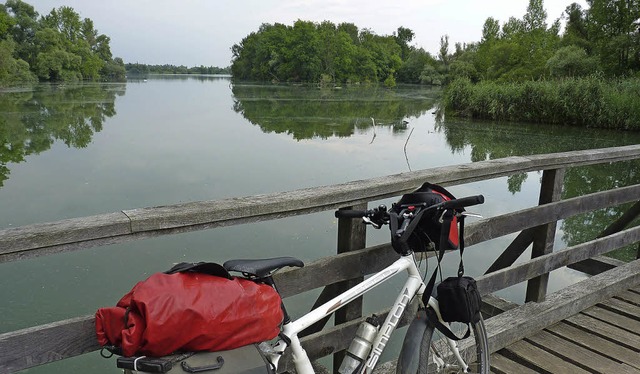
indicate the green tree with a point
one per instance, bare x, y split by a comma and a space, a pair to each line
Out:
403, 37
571, 61
613, 28
24, 29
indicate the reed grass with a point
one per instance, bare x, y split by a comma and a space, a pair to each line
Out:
588, 102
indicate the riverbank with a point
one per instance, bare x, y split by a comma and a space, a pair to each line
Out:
588, 102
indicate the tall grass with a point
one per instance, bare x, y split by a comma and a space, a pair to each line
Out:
588, 102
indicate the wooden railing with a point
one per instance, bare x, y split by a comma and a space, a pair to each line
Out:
63, 339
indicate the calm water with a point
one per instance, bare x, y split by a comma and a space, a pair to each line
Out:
74, 151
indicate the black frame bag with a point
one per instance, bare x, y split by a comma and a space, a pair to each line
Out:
459, 300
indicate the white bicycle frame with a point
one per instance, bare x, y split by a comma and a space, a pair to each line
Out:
414, 286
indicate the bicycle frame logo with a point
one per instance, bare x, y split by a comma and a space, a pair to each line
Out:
388, 327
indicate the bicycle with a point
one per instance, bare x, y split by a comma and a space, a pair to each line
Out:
424, 350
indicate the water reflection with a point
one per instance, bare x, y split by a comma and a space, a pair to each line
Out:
33, 120
306, 112
497, 140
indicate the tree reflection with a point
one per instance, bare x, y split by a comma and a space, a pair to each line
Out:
489, 140
33, 120
306, 112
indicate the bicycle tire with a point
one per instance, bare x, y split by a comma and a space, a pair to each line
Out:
476, 344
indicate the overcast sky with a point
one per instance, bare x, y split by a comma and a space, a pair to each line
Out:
201, 32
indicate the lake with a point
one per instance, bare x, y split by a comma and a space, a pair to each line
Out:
77, 150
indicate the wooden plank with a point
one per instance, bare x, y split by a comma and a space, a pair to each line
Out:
200, 215
525, 351
618, 336
622, 307
597, 344
47, 343
576, 354
520, 322
596, 327
544, 237
352, 236
513, 251
630, 297
546, 263
16, 242
613, 318
341, 267
495, 227
503, 365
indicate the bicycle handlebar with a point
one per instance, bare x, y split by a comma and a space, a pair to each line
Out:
445, 205
347, 213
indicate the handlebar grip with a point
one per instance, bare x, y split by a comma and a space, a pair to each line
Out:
463, 202
348, 213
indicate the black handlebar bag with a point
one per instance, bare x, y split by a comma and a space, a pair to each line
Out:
430, 228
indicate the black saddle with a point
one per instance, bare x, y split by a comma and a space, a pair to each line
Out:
263, 267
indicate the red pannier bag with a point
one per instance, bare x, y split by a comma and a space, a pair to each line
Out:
192, 307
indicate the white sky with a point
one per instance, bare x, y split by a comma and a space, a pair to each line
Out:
201, 32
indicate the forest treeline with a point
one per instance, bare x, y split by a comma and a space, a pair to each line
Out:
134, 69
604, 38
527, 70
59, 46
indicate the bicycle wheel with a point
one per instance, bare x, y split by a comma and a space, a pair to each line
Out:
437, 357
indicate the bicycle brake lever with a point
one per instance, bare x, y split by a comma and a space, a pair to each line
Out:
474, 215
368, 221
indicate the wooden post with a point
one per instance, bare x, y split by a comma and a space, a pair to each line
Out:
550, 191
351, 237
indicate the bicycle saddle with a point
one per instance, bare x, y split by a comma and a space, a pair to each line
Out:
261, 268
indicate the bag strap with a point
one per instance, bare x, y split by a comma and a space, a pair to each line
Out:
447, 218
210, 268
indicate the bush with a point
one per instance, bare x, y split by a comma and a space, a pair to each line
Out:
588, 102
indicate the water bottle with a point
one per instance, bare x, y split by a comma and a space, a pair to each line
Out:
360, 346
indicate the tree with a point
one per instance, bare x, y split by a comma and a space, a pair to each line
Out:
403, 37
490, 30
571, 61
613, 28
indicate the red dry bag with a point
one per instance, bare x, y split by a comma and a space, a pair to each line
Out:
197, 307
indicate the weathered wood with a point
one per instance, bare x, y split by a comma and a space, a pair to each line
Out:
42, 344
16, 242
544, 237
622, 307
596, 265
332, 269
352, 236
605, 330
630, 297
613, 318
576, 354
538, 357
503, 365
515, 324
597, 344
546, 263
54, 236
592, 267
513, 251
491, 228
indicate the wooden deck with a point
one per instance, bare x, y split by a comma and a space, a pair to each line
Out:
604, 338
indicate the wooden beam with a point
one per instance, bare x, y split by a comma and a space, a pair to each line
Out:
495, 227
513, 251
352, 236
133, 224
541, 265
39, 345
517, 323
550, 191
